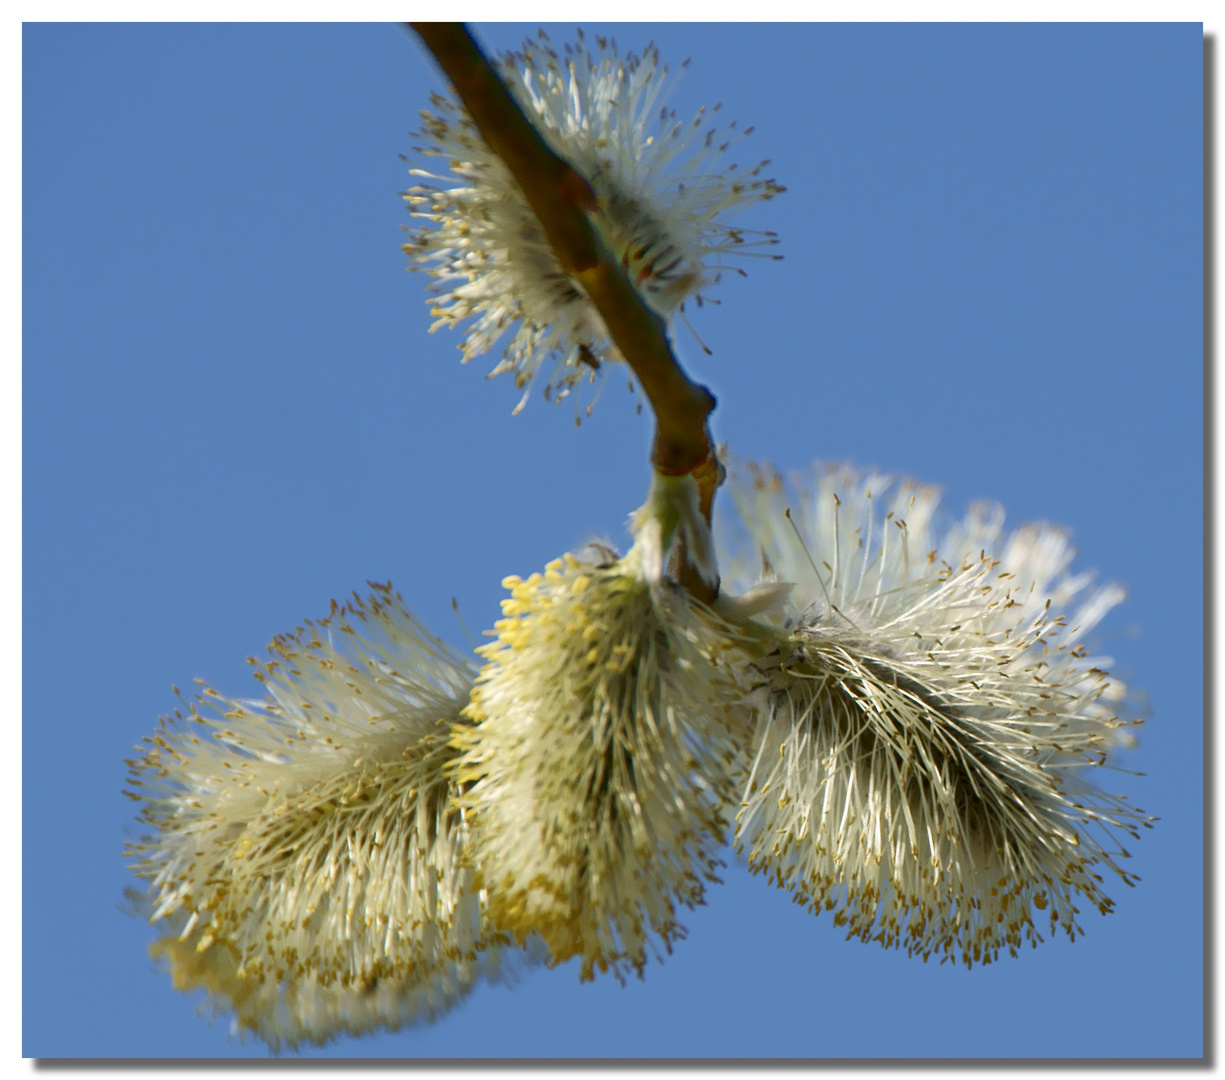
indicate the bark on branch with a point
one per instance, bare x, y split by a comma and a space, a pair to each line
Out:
561, 199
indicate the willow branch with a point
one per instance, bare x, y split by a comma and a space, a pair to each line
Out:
562, 199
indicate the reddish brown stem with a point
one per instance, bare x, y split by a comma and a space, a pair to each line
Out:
561, 199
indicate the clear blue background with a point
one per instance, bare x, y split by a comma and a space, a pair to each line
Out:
233, 413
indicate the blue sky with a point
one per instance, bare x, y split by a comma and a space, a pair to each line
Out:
233, 413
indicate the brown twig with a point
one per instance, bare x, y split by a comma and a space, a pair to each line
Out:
561, 199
